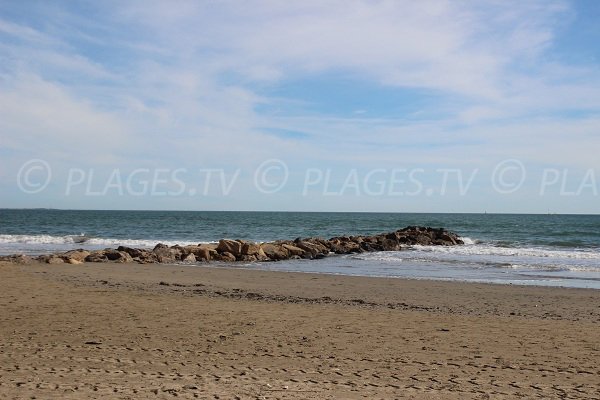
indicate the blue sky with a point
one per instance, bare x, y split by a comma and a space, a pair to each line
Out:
348, 97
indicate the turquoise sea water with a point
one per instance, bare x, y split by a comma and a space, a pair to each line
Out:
560, 250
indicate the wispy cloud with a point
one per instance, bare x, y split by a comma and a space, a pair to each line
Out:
206, 83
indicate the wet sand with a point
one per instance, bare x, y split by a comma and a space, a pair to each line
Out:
157, 331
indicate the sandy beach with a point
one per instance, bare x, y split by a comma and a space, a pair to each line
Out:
157, 331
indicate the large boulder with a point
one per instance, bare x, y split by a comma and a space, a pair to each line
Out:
147, 257
75, 256
420, 235
54, 259
275, 251
344, 245
134, 253
312, 248
253, 250
390, 245
294, 250
17, 259
141, 256
225, 257
371, 246
96, 256
117, 256
230, 246
201, 252
446, 238
423, 239
166, 254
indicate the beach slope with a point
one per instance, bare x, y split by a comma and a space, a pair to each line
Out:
158, 331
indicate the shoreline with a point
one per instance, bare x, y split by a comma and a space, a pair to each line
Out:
150, 330
295, 264
260, 267
236, 280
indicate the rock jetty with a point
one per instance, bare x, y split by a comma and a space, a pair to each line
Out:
229, 250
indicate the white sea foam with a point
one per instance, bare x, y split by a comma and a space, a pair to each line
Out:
490, 250
36, 239
467, 240
477, 255
138, 242
385, 256
552, 267
82, 240
476, 248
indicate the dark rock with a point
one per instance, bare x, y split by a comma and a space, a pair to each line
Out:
166, 254
134, 253
343, 245
448, 239
117, 256
395, 236
96, 256
390, 245
147, 257
423, 239
370, 246
225, 257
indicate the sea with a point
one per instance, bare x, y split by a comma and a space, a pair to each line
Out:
519, 249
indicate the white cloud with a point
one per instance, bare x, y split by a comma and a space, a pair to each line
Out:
42, 118
182, 85
463, 48
24, 33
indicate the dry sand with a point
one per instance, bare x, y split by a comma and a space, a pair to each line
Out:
156, 331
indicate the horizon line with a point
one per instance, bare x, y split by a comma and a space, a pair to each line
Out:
304, 211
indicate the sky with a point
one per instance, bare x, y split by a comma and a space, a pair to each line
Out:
395, 106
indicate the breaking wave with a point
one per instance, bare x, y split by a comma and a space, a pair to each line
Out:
85, 241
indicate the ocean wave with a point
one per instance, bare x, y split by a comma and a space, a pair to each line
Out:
491, 250
385, 256
37, 239
553, 267
468, 241
33, 240
478, 255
